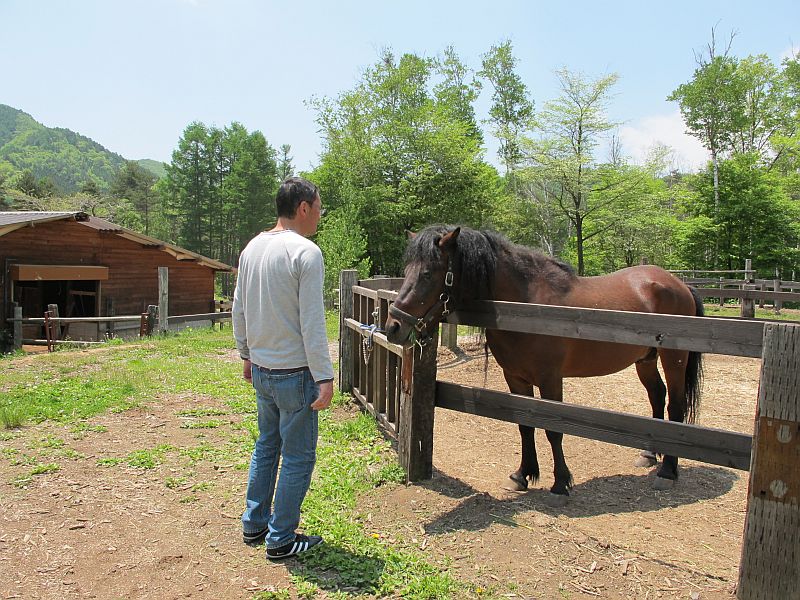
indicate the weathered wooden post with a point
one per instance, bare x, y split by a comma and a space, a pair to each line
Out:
163, 299
347, 279
55, 324
770, 564
776, 285
450, 336
417, 398
152, 318
17, 327
110, 312
748, 305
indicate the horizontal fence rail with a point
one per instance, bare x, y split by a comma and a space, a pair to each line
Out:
700, 334
717, 335
217, 316
751, 294
377, 337
714, 446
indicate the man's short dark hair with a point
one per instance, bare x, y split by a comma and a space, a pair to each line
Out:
292, 192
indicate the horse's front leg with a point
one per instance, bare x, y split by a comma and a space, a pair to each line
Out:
529, 463
552, 389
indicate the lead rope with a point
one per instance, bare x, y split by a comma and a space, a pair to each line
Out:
367, 340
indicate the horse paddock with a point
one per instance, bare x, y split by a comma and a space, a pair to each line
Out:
89, 531
617, 537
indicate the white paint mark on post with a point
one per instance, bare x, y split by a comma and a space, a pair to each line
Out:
778, 488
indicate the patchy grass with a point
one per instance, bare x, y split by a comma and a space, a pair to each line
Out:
714, 310
353, 458
11, 417
332, 325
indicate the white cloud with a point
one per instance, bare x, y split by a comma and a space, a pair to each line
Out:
790, 52
642, 135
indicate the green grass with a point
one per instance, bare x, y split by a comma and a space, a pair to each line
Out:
353, 457
332, 325
714, 310
12, 417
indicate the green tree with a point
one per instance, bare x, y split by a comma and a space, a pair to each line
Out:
28, 184
708, 104
755, 219
400, 157
344, 246
219, 189
633, 221
458, 90
187, 187
135, 184
564, 160
285, 166
511, 109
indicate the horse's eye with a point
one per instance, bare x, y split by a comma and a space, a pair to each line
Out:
426, 275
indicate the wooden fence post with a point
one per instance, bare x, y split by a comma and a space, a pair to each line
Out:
347, 279
17, 328
778, 304
163, 299
110, 326
417, 398
450, 336
770, 564
55, 326
748, 305
152, 317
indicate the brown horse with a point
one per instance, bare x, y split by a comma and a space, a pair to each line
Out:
446, 265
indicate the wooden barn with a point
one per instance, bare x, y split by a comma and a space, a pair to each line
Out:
91, 267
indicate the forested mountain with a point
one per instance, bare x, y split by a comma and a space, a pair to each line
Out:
65, 158
157, 168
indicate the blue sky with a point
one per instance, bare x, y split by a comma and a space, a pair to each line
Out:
133, 75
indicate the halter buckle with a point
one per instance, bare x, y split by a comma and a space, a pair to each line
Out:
448, 279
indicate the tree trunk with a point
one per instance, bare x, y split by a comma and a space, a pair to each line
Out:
579, 241
715, 164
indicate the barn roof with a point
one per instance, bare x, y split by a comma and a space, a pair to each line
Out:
11, 221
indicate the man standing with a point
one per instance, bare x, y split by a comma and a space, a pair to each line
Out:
279, 326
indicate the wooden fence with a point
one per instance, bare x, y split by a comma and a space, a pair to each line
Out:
52, 324
398, 386
156, 318
749, 290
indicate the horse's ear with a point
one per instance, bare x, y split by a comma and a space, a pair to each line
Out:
410, 234
449, 239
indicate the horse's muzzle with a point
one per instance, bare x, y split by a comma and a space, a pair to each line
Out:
396, 332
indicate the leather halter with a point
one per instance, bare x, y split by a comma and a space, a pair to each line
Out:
435, 313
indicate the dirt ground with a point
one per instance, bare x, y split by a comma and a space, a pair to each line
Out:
88, 531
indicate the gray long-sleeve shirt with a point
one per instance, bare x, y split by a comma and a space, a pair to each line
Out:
278, 313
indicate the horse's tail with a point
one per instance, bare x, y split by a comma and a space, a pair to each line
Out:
694, 369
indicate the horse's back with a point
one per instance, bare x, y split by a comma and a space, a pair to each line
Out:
645, 288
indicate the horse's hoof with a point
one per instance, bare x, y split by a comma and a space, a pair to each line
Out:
556, 500
516, 485
646, 459
662, 483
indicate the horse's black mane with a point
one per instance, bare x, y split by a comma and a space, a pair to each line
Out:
477, 255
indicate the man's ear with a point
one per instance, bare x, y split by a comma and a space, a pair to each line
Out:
448, 240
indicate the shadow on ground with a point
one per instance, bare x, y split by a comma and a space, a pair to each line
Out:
597, 496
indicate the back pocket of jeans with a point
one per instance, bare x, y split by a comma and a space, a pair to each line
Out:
287, 390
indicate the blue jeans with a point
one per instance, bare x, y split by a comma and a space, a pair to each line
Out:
288, 430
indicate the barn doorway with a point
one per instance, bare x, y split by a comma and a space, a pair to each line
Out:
76, 290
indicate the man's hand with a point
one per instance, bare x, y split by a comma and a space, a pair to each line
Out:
247, 371
323, 401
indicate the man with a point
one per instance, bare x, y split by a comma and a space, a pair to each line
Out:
279, 326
